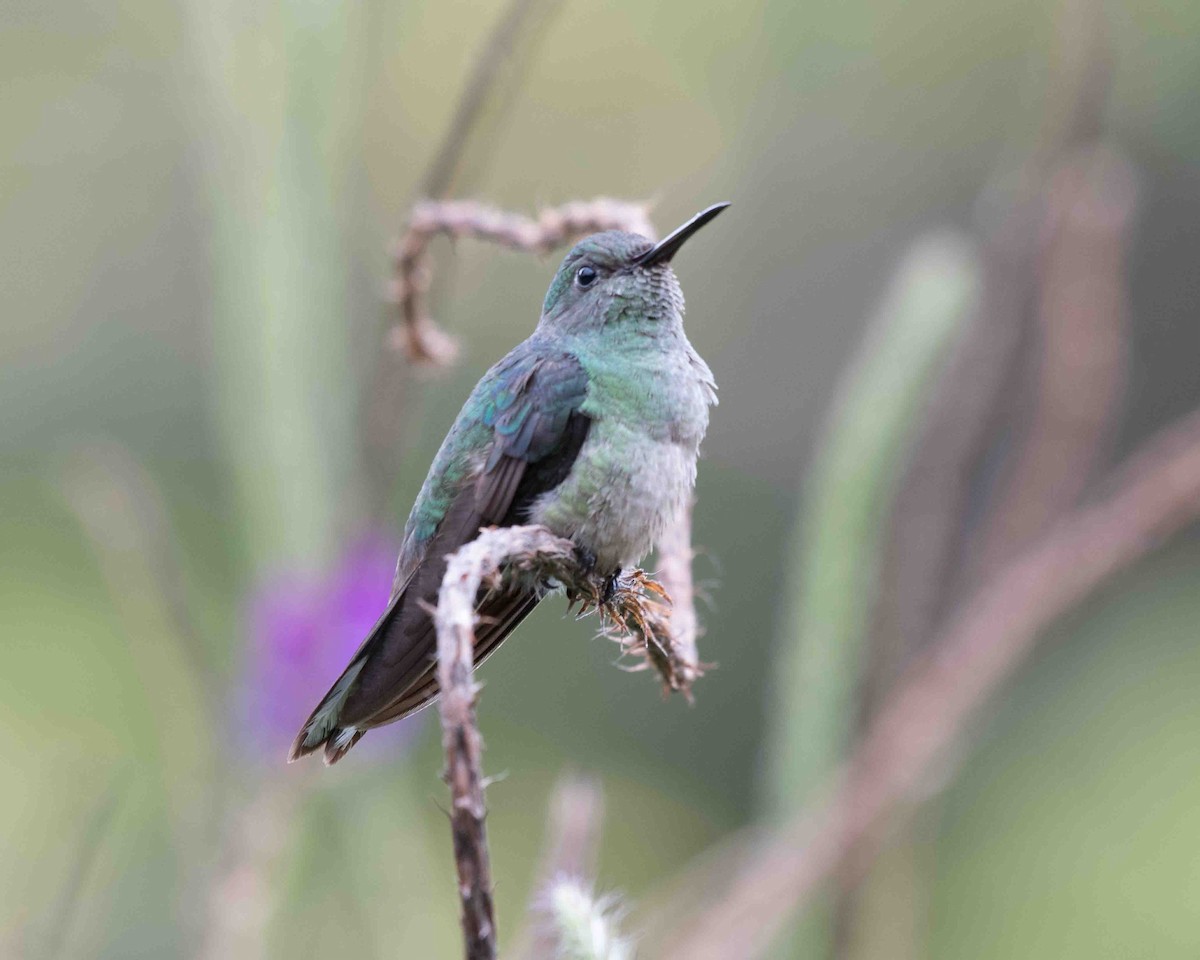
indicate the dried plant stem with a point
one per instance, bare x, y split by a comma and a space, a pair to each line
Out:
464, 749
1079, 368
1064, 400
467, 147
675, 557
242, 898
572, 839
534, 555
491, 87
1046, 357
919, 558
417, 334
573, 836
927, 563
1155, 495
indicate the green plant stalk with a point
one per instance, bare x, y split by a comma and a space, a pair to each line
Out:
279, 107
279, 86
832, 570
833, 562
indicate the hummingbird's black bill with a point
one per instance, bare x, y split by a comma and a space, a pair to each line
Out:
665, 249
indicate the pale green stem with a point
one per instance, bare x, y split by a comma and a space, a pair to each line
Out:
833, 567
832, 572
279, 82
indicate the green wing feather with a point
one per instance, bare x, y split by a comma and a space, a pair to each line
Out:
516, 437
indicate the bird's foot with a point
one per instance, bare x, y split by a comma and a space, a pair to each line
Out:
585, 591
607, 586
609, 590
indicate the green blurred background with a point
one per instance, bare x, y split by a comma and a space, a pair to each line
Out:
196, 206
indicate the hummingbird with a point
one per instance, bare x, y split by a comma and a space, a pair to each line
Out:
591, 428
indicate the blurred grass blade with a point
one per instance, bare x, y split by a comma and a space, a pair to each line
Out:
63, 914
572, 843
122, 515
244, 895
278, 148
488, 97
833, 565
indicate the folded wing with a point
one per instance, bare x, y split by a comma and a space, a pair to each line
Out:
516, 438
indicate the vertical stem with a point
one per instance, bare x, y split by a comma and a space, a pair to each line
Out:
572, 838
833, 569
1078, 371
464, 764
277, 78
1154, 495
834, 566
277, 86
675, 555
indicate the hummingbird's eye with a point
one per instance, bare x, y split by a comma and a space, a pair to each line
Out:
585, 276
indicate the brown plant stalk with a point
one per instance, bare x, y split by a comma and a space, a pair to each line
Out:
1042, 363
1079, 368
467, 147
1034, 239
675, 555
635, 612
417, 334
1154, 495
488, 95
1073, 377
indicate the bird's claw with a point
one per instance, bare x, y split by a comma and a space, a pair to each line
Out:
609, 589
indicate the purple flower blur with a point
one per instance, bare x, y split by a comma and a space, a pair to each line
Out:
303, 631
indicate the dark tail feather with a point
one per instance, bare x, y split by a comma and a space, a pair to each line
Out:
325, 728
498, 620
322, 728
339, 744
299, 748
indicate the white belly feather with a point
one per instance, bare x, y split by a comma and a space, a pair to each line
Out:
618, 505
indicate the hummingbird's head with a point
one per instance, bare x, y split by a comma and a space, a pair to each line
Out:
613, 277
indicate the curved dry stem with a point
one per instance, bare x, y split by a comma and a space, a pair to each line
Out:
636, 612
1079, 369
491, 88
675, 555
1154, 496
417, 334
